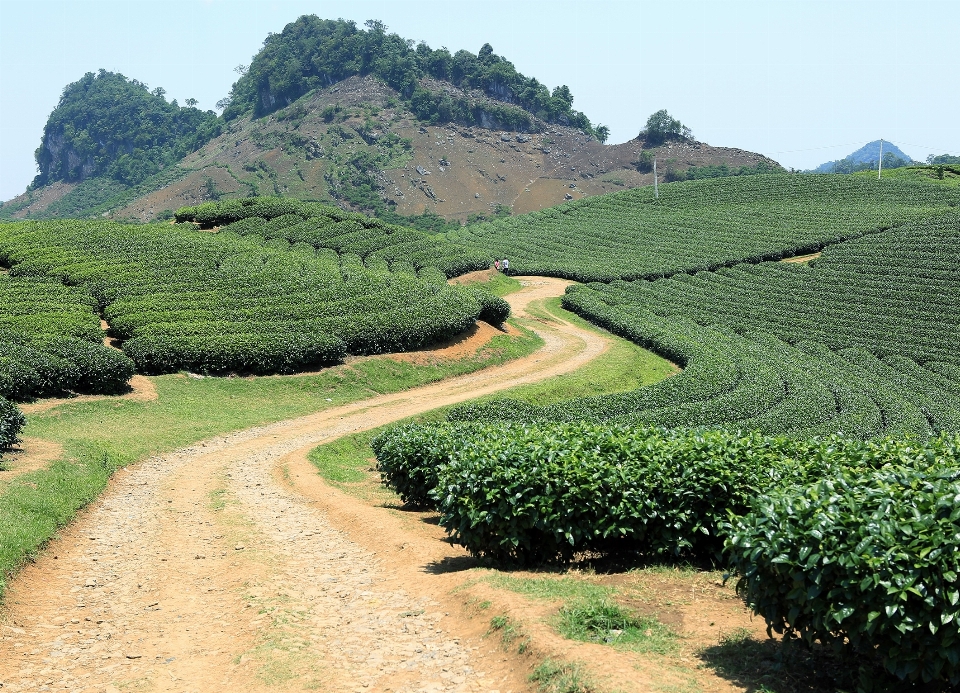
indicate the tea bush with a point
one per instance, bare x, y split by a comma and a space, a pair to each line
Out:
864, 560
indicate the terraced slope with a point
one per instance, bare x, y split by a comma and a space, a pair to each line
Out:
693, 226
702, 225
863, 343
177, 298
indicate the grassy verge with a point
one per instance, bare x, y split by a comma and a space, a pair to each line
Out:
501, 285
624, 366
589, 611
100, 436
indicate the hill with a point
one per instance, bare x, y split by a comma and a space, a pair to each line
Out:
327, 111
867, 157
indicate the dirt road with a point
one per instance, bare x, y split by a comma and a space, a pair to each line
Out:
207, 569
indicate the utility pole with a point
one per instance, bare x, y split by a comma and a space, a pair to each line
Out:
880, 163
656, 191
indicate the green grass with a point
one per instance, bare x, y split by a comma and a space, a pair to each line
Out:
625, 366
561, 677
36, 504
509, 632
589, 614
100, 436
602, 621
501, 285
346, 460
566, 588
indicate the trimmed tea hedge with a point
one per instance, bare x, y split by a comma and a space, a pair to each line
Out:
409, 459
181, 299
863, 560
493, 309
51, 341
886, 307
11, 423
534, 494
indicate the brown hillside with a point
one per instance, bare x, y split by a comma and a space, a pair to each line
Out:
307, 152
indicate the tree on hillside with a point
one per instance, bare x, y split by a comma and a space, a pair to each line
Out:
661, 126
108, 125
312, 53
943, 159
603, 132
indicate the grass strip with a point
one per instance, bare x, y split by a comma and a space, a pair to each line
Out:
602, 621
624, 366
562, 677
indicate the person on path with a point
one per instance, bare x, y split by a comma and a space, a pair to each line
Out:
505, 265
496, 264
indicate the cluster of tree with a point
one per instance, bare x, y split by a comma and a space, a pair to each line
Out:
721, 171
107, 125
311, 53
662, 127
941, 159
848, 165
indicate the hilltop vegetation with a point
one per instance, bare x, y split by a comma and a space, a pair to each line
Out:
311, 53
108, 126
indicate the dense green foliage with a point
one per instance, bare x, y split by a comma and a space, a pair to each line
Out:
843, 166
849, 345
542, 493
661, 127
701, 225
12, 422
409, 459
108, 126
943, 159
51, 341
312, 53
724, 171
854, 544
325, 227
866, 560
180, 298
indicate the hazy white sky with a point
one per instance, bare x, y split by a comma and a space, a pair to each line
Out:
803, 81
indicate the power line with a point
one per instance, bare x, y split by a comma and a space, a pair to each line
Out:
813, 149
850, 144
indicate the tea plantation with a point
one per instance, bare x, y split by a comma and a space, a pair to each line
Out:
702, 225
177, 298
809, 445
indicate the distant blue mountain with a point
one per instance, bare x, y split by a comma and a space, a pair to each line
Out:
867, 154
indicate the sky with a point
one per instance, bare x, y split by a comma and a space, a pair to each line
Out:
802, 81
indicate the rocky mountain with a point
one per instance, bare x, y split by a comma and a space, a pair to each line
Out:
405, 145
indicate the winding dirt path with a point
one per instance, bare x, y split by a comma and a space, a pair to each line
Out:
216, 567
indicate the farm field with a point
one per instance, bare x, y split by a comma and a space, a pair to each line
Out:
832, 385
